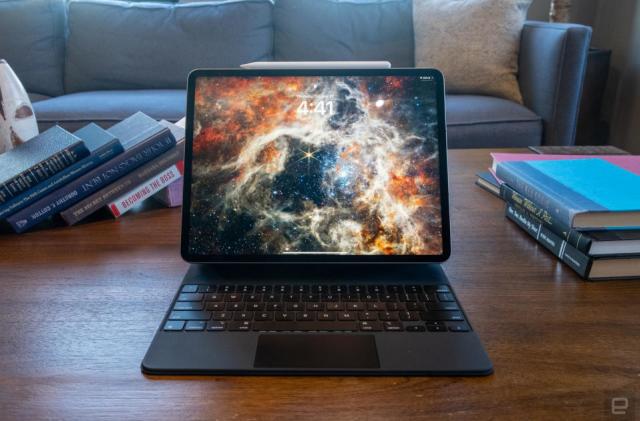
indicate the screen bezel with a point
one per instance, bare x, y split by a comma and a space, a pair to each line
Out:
317, 258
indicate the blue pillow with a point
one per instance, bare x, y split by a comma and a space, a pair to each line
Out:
120, 45
344, 30
32, 41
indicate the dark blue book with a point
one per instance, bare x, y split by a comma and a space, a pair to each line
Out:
580, 193
38, 160
143, 139
102, 146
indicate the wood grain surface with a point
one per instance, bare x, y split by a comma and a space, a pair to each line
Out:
79, 306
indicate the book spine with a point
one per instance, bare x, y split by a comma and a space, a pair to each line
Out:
577, 239
68, 174
147, 189
565, 252
42, 171
171, 197
91, 204
91, 182
527, 184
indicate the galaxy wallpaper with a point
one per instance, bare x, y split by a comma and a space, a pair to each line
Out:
321, 165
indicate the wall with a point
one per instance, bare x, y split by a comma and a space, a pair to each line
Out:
616, 26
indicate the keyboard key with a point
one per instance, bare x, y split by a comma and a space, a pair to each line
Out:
446, 306
338, 289
227, 288
319, 289
314, 306
412, 289
242, 315
394, 289
306, 326
407, 297
303, 316
458, 326
375, 289
239, 326
369, 297
190, 296
189, 288
245, 289
291, 298
274, 307
445, 296
335, 306
376, 306
253, 298
388, 315
213, 306
214, 297
368, 315
264, 289
454, 316
354, 306
283, 289
415, 307
264, 315
272, 298
234, 306
301, 289
395, 306
415, 328
190, 315
370, 326
216, 326
357, 289
174, 325
436, 328
310, 298
195, 325
329, 298
282, 316
327, 316
295, 306
437, 288
233, 297
254, 307
221, 315
427, 297
188, 305
388, 298
393, 326
206, 288
409, 316
346, 316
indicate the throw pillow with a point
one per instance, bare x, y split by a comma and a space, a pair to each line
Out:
475, 43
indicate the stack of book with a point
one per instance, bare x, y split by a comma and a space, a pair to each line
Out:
73, 175
584, 209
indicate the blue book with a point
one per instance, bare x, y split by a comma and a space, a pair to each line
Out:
102, 147
38, 160
579, 193
143, 139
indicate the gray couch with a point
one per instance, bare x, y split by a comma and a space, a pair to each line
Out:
101, 60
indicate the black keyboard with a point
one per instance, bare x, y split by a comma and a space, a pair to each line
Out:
320, 307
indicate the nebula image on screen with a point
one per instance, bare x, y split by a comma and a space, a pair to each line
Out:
315, 164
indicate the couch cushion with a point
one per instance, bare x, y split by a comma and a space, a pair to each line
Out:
32, 41
344, 30
121, 45
475, 121
105, 108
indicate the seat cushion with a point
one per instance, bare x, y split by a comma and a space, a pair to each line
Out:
472, 121
106, 108
475, 121
32, 36
124, 45
310, 30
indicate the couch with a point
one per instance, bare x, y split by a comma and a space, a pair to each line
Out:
102, 60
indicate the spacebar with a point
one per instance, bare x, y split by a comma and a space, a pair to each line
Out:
305, 326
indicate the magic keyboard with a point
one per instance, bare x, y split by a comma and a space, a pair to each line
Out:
320, 307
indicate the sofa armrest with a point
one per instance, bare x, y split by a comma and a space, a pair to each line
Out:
552, 65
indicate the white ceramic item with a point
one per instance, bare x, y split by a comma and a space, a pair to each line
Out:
17, 121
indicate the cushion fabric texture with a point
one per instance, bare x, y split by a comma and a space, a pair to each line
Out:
106, 108
121, 45
32, 41
315, 30
475, 43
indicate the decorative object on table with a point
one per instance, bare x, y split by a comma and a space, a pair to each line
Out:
38, 160
17, 121
127, 201
579, 150
560, 11
102, 147
485, 34
103, 197
143, 140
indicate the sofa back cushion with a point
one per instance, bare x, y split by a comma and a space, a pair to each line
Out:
32, 42
120, 45
344, 30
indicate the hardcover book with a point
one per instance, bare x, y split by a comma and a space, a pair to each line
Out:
102, 147
171, 196
592, 193
587, 267
103, 197
145, 190
37, 160
143, 140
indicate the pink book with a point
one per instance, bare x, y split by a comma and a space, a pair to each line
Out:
171, 196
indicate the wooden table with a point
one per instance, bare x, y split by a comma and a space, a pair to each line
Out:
79, 306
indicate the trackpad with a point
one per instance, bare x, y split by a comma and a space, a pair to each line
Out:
316, 351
